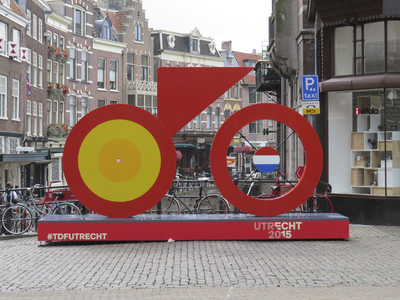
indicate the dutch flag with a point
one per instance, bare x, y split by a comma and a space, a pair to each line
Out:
266, 159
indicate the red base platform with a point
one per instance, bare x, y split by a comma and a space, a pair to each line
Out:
146, 227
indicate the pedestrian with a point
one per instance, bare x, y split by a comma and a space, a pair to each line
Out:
9, 195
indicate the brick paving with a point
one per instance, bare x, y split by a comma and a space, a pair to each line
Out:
367, 266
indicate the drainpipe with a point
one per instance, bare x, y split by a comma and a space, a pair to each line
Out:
123, 80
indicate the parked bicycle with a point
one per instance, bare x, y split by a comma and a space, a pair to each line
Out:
207, 204
24, 215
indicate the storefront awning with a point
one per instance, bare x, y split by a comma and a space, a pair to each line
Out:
23, 157
185, 145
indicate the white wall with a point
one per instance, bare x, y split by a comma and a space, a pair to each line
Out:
340, 112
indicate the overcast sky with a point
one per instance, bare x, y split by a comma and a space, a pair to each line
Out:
244, 23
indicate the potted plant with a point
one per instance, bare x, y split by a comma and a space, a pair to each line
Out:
380, 127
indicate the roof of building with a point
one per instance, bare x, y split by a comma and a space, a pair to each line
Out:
174, 41
241, 58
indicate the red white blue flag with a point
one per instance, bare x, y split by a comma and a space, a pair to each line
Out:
266, 159
29, 84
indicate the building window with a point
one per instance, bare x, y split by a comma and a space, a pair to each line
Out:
217, 118
113, 74
16, 39
227, 113
209, 115
79, 21
62, 73
40, 119
3, 96
101, 68
3, 38
62, 42
55, 40
256, 127
15, 99
101, 102
72, 63
55, 72
113, 101
28, 117
145, 68
198, 121
130, 66
227, 94
271, 128
194, 43
48, 110
49, 39
29, 15
235, 91
55, 112
106, 30
72, 111
147, 103
367, 48
34, 115
190, 125
84, 110
34, 69
250, 63
138, 33
40, 72
40, 29
61, 112
49, 70
34, 27
254, 96
84, 66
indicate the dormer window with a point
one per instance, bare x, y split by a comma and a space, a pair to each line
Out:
194, 45
106, 31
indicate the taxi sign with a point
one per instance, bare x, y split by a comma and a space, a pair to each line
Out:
309, 87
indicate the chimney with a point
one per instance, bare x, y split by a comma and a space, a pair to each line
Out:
254, 51
227, 46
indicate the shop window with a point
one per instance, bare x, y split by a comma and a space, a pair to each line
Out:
369, 162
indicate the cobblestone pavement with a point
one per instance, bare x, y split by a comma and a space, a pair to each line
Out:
367, 266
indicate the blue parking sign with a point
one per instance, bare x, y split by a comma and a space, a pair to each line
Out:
309, 87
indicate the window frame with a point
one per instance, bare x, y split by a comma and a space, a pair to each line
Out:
101, 75
15, 96
113, 73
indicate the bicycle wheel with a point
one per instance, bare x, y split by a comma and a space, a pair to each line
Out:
213, 204
169, 205
66, 208
17, 219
